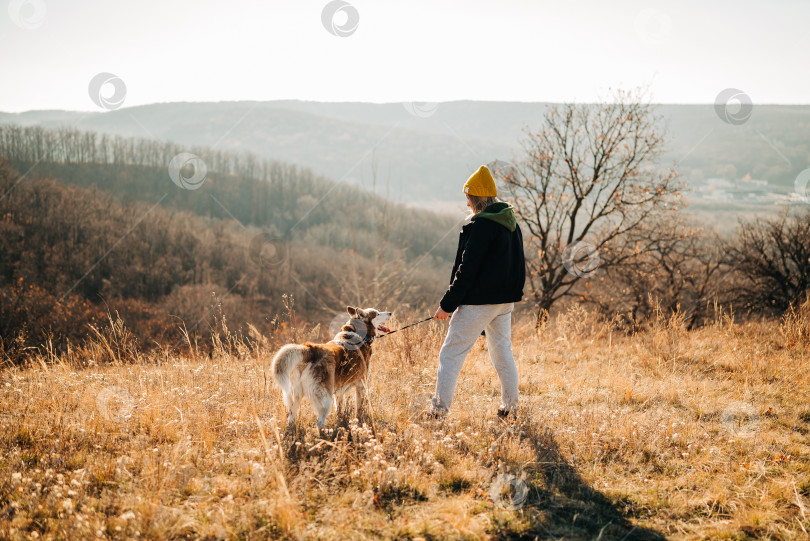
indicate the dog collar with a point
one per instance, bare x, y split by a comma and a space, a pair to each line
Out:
352, 340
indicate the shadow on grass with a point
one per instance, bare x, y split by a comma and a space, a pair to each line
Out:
561, 505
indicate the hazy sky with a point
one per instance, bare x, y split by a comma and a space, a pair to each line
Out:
184, 50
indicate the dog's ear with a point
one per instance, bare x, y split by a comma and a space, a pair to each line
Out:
352, 311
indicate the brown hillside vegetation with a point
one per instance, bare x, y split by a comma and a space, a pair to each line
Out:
668, 433
75, 245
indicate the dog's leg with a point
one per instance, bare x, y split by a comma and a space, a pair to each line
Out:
360, 399
340, 403
292, 402
322, 401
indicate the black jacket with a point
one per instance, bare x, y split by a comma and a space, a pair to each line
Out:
489, 268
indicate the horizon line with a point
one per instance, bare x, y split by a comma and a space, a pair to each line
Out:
339, 102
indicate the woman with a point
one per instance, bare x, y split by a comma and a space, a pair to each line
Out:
487, 280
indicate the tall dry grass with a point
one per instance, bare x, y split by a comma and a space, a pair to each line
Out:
666, 433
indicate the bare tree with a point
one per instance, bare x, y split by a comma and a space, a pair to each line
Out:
589, 179
672, 267
772, 261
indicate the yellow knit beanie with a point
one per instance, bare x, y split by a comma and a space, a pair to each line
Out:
481, 183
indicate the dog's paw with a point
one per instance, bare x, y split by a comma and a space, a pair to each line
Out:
289, 431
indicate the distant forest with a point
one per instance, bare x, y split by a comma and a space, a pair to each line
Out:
424, 157
93, 224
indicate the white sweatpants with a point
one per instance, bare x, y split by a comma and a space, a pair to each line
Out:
466, 324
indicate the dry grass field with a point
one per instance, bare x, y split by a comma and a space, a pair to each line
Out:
667, 433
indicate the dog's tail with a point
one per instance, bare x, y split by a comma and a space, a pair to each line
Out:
284, 364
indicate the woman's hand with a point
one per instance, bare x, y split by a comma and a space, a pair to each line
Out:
440, 314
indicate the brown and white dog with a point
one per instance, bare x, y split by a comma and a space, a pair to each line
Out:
324, 372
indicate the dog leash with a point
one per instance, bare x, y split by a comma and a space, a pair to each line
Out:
405, 327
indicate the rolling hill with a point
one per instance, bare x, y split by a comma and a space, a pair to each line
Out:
423, 152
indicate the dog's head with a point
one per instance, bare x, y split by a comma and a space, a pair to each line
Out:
366, 322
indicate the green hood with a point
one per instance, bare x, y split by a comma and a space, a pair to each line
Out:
501, 213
